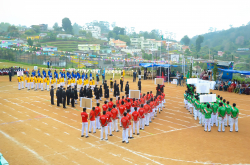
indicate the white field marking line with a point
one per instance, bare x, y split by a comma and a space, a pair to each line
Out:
73, 120
172, 122
179, 160
65, 157
75, 162
47, 134
37, 129
45, 109
168, 117
159, 130
59, 140
183, 120
74, 114
54, 127
91, 144
24, 133
44, 123
66, 133
157, 123
64, 116
55, 113
125, 159
173, 128
25, 147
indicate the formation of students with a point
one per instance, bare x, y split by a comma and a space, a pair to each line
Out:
220, 113
130, 113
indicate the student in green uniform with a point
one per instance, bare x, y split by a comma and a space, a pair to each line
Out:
197, 104
193, 104
214, 114
234, 118
185, 99
228, 113
221, 116
207, 112
203, 114
190, 106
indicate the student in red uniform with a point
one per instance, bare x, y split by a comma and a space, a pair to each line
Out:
142, 100
163, 97
122, 108
105, 106
141, 116
109, 115
135, 119
152, 109
132, 101
110, 104
97, 115
147, 113
155, 107
84, 116
148, 96
92, 120
114, 116
118, 102
151, 95
130, 126
125, 124
128, 106
104, 123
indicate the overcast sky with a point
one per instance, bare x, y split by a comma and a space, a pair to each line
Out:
183, 17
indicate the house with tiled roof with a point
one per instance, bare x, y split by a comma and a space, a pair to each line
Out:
117, 43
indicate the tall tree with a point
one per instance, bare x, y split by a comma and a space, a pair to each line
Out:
30, 42
66, 25
76, 28
185, 40
4, 26
199, 40
56, 27
13, 31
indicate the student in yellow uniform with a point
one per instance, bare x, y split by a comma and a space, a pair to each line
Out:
55, 82
41, 81
32, 81
58, 82
84, 82
90, 82
52, 82
93, 81
69, 82
26, 79
87, 81
22, 81
28, 83
19, 82
35, 82
38, 82
72, 82
61, 81
45, 82
80, 83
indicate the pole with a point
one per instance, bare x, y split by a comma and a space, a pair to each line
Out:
152, 63
160, 60
168, 62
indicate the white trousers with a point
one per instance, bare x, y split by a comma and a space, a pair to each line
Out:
98, 126
115, 126
32, 85
130, 131
200, 116
19, 85
203, 119
221, 124
28, 85
125, 134
47, 87
22, 84
234, 122
105, 130
142, 123
110, 128
135, 125
208, 124
147, 119
92, 125
214, 120
227, 118
195, 114
41, 86
36, 86
85, 128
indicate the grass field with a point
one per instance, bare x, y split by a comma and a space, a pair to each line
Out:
32, 131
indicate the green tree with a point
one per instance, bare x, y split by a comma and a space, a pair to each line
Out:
199, 40
204, 67
215, 70
30, 32
125, 38
185, 40
83, 32
4, 26
129, 55
76, 29
36, 28
66, 25
191, 70
89, 35
187, 52
30, 42
56, 27
13, 31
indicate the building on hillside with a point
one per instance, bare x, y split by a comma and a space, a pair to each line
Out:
33, 37
141, 43
50, 50
175, 58
42, 35
95, 30
131, 51
10, 43
87, 47
117, 43
104, 38
220, 53
185, 47
43, 27
63, 36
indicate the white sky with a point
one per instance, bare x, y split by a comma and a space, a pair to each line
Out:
191, 17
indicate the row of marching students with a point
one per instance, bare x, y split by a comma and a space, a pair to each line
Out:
220, 113
124, 111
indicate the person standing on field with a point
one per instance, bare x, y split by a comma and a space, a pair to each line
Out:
125, 124
135, 119
104, 122
92, 120
114, 112
221, 115
208, 113
234, 118
84, 116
